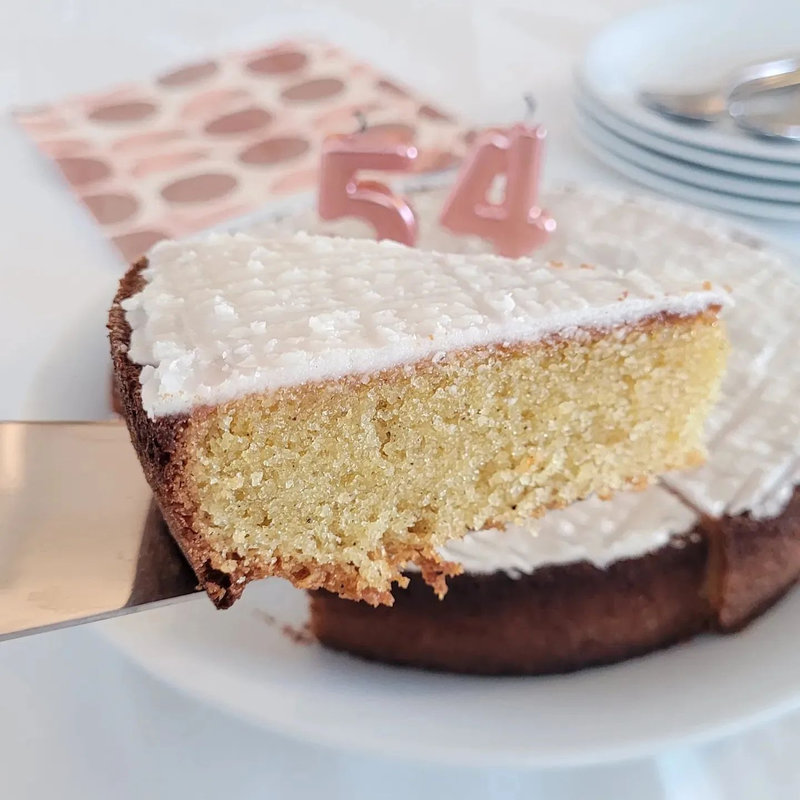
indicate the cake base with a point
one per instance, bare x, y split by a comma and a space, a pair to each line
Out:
567, 617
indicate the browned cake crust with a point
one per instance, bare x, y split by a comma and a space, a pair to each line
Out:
557, 619
115, 401
563, 618
754, 562
157, 444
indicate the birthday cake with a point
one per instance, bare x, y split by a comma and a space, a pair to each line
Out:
328, 409
601, 581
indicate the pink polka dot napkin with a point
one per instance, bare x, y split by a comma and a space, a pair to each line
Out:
214, 140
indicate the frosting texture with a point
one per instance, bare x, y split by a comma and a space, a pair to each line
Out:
593, 530
229, 315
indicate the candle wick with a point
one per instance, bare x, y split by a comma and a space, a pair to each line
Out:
361, 119
530, 104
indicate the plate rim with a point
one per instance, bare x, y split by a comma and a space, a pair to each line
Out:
678, 191
196, 688
660, 165
743, 166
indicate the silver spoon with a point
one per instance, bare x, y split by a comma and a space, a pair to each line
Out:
774, 114
698, 107
710, 105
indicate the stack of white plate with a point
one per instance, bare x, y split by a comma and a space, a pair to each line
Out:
690, 46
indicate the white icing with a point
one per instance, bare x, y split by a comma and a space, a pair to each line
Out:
228, 315
593, 530
754, 432
754, 446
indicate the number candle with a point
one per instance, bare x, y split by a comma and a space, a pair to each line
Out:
518, 224
342, 194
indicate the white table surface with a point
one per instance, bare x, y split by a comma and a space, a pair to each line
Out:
76, 719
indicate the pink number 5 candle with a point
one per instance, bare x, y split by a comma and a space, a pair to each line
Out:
341, 194
517, 225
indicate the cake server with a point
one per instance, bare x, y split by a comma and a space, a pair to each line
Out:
80, 536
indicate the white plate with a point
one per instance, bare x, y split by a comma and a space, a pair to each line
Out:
241, 662
736, 165
693, 174
690, 46
695, 195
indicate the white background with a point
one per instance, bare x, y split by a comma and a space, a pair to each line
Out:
76, 720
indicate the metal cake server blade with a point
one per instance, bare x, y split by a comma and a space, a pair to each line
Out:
80, 536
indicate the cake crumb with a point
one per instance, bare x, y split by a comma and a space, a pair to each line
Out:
300, 635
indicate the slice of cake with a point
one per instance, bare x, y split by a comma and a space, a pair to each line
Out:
328, 410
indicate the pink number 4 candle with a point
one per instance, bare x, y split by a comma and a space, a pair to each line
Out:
518, 224
342, 194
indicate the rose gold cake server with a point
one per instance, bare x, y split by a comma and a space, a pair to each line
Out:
80, 537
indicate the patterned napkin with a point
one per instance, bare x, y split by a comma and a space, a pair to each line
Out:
214, 140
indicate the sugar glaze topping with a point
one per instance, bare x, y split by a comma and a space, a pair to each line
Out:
228, 315
593, 530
